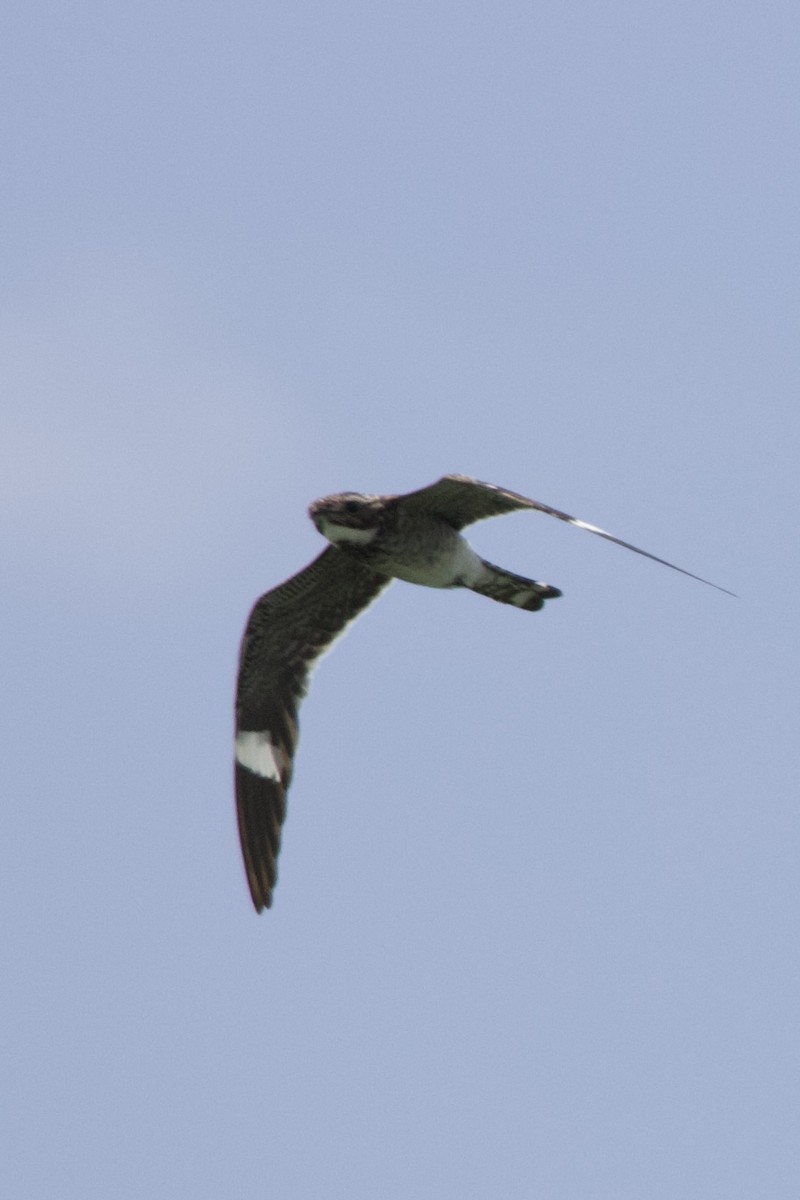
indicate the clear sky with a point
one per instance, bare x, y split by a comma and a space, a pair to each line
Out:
537, 926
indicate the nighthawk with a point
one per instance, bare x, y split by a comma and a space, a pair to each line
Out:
373, 540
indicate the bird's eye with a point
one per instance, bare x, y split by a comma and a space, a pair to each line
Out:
351, 506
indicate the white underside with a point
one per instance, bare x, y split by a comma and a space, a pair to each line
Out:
458, 565
254, 751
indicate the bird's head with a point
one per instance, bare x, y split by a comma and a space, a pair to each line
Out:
348, 518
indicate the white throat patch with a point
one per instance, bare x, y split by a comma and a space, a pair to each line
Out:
344, 533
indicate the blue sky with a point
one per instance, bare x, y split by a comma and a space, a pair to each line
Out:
536, 931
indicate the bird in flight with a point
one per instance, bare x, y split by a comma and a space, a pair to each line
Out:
373, 540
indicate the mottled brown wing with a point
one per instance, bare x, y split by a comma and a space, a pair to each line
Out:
460, 501
288, 629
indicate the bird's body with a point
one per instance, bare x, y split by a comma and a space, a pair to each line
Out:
419, 548
415, 537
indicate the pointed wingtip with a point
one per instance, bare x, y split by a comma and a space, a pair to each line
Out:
603, 533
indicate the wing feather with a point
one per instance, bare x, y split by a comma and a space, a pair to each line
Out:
460, 501
287, 631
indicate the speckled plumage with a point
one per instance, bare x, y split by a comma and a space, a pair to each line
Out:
374, 539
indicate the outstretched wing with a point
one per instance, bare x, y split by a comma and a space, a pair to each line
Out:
460, 500
288, 629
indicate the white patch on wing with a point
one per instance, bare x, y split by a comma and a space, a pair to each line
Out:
344, 533
591, 528
254, 750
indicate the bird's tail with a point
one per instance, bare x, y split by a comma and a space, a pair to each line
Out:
507, 588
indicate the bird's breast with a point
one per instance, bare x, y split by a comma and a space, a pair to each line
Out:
431, 554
